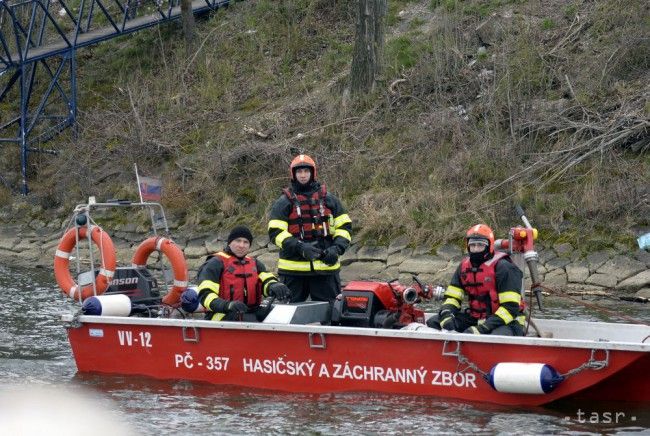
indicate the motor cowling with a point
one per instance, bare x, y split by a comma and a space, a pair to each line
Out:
137, 283
359, 302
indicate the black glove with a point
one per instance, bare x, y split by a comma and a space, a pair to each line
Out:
330, 256
478, 329
236, 307
434, 322
280, 291
309, 251
447, 320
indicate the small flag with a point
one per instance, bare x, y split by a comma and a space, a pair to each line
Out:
150, 188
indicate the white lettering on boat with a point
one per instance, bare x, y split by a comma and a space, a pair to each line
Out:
279, 366
217, 363
186, 360
126, 338
343, 371
377, 373
145, 339
212, 363
460, 379
323, 371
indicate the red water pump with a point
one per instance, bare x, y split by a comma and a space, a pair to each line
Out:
382, 304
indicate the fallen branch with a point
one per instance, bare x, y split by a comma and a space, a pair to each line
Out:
254, 132
394, 83
574, 29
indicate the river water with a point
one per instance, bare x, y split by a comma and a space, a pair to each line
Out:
42, 394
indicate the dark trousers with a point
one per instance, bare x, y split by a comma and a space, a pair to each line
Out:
246, 317
319, 287
464, 321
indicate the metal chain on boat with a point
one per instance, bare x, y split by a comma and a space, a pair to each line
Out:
592, 363
462, 360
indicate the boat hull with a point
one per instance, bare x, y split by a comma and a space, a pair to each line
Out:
334, 359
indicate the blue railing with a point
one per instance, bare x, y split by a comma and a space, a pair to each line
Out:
38, 43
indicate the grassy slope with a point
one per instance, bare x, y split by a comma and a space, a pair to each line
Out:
553, 114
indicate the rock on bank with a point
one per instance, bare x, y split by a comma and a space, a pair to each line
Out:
33, 245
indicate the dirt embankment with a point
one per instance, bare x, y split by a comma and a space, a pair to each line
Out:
481, 104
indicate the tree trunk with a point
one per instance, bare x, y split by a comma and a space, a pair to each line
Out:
189, 27
368, 47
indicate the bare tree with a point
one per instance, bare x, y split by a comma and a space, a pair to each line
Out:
189, 26
368, 47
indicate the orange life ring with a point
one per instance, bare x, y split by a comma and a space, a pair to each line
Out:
176, 258
62, 261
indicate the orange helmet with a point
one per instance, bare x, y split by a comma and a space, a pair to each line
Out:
302, 161
481, 232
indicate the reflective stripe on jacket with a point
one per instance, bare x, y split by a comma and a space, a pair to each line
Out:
323, 225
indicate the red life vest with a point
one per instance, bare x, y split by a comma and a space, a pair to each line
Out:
481, 287
310, 218
240, 280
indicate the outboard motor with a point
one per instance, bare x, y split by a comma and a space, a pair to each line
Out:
137, 283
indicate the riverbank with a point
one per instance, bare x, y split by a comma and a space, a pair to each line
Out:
480, 105
607, 272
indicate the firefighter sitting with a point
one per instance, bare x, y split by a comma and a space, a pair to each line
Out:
492, 283
232, 284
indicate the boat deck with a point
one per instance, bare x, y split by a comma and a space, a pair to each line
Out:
574, 334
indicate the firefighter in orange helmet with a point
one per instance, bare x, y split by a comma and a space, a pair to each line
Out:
492, 284
313, 230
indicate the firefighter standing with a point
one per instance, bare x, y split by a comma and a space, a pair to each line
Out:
492, 283
231, 284
313, 230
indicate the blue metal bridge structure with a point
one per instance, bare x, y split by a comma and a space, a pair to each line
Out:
39, 40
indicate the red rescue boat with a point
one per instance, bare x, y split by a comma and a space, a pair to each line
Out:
380, 344
599, 360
